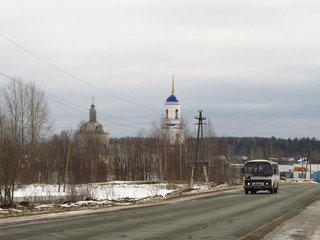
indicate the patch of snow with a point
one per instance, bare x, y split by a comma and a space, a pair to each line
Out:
110, 191
97, 195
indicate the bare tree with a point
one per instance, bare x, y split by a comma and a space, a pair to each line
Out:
26, 123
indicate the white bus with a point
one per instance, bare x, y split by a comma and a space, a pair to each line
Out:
261, 175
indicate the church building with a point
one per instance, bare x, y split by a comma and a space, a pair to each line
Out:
172, 118
93, 131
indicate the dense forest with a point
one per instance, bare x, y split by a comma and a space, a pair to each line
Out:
278, 148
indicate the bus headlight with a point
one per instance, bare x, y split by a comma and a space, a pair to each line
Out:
267, 183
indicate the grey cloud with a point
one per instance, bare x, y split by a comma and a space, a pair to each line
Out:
252, 66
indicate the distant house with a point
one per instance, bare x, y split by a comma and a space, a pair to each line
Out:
299, 171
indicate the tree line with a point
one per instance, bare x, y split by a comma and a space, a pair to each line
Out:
277, 148
30, 152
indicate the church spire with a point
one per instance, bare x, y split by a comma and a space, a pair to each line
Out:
92, 112
172, 91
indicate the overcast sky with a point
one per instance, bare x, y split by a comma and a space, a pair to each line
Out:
251, 66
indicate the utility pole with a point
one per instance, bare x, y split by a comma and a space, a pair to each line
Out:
66, 167
196, 160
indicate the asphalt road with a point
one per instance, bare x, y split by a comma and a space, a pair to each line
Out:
231, 215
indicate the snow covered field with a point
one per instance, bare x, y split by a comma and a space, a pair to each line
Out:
51, 198
99, 191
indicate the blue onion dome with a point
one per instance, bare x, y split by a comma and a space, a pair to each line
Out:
172, 98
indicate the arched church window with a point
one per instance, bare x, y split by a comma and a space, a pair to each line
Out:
177, 113
167, 113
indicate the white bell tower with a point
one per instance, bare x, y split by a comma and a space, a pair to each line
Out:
172, 115
172, 118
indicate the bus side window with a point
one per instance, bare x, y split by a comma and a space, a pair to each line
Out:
274, 170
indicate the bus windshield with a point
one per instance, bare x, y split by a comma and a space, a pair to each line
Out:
258, 169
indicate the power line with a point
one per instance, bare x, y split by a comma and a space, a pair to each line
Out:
58, 99
78, 108
73, 76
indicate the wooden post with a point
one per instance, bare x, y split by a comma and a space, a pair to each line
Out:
66, 168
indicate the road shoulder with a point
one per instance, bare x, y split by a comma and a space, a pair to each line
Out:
305, 225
